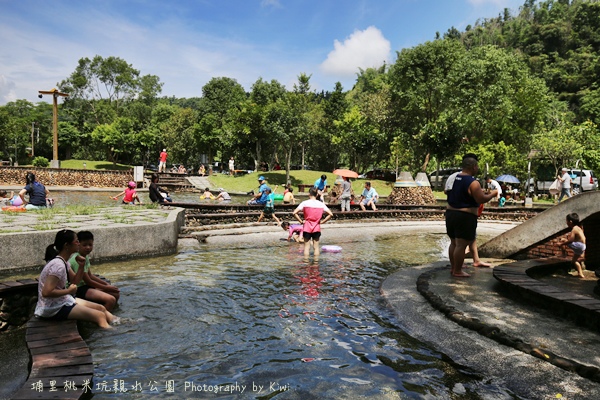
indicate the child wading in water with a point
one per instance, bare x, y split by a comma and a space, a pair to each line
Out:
130, 195
576, 242
269, 210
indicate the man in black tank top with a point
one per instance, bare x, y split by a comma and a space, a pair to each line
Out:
461, 214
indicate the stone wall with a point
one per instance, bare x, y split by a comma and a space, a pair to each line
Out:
17, 306
66, 177
549, 247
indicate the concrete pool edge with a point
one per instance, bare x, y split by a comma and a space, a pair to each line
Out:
528, 375
113, 241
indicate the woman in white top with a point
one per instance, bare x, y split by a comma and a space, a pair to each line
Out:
55, 300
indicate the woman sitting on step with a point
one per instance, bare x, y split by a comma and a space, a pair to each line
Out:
55, 300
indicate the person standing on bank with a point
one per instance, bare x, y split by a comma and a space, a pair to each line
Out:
162, 161
461, 214
565, 181
346, 194
231, 166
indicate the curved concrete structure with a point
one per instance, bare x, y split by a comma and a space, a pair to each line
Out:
119, 233
544, 226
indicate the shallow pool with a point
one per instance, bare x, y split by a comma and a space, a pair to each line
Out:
263, 322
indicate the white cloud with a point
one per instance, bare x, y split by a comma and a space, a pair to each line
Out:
7, 90
362, 49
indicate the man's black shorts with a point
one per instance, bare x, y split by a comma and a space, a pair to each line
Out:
461, 225
311, 235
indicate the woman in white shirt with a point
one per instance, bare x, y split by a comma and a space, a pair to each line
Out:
55, 299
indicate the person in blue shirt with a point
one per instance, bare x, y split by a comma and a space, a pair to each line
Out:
261, 196
321, 186
269, 210
369, 197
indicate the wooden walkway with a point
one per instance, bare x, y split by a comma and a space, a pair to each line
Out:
61, 363
62, 366
584, 310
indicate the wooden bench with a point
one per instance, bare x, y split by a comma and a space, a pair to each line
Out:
302, 188
62, 366
61, 363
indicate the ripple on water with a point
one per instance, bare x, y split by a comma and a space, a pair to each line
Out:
264, 315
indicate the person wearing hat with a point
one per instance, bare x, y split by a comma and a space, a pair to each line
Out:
565, 181
162, 161
223, 195
261, 197
129, 194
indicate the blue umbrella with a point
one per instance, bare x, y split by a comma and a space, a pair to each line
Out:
507, 179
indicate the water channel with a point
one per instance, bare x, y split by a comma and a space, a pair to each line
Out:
257, 320
214, 320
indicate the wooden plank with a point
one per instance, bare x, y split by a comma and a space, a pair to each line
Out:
63, 362
48, 357
12, 284
66, 338
27, 281
40, 322
58, 348
48, 333
82, 369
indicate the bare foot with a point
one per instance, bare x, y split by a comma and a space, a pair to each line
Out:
461, 275
482, 264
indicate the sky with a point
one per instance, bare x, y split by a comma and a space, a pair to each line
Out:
186, 43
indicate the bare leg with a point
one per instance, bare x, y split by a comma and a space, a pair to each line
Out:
476, 260
577, 265
306, 248
99, 307
459, 258
451, 255
98, 296
316, 247
83, 313
113, 292
262, 214
276, 219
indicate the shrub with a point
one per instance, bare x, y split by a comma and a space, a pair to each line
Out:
40, 162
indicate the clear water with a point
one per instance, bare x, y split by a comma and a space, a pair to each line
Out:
266, 323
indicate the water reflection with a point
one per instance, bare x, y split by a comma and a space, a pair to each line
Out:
267, 319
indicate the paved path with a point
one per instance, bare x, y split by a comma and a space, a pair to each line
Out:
62, 218
199, 182
479, 297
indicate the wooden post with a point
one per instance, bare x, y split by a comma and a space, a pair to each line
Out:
55, 93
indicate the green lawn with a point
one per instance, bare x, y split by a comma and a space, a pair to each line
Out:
103, 165
245, 183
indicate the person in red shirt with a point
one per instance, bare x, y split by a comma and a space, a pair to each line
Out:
162, 161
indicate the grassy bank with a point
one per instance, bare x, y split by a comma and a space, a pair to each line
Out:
245, 183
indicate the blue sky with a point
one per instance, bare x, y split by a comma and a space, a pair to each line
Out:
186, 43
